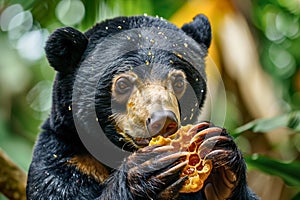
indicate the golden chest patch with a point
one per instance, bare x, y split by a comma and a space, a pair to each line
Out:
90, 166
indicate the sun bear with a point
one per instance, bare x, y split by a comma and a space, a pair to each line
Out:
128, 79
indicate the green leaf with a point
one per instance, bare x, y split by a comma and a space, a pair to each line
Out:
288, 171
296, 197
92, 10
167, 8
290, 120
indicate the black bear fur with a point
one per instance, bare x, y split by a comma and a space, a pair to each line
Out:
62, 167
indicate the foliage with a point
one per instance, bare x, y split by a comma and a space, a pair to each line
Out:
277, 22
291, 120
288, 171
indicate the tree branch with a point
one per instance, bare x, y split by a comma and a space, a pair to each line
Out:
12, 179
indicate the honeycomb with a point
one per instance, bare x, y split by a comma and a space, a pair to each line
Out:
189, 138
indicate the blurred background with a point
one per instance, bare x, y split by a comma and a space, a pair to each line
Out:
255, 49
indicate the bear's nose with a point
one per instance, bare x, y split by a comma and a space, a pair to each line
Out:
162, 123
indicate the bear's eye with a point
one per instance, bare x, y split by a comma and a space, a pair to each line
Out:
123, 85
178, 84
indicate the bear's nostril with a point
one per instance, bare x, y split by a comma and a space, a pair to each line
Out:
162, 123
148, 121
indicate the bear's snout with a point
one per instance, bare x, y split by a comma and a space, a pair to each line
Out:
162, 122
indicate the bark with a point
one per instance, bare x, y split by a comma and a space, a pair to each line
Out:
12, 179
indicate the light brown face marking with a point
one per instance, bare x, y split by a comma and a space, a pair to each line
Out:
143, 98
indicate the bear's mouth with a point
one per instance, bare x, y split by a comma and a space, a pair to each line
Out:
140, 136
142, 142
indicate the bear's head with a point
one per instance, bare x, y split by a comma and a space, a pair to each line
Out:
137, 77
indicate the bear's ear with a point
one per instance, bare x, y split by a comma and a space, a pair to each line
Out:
199, 29
65, 48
